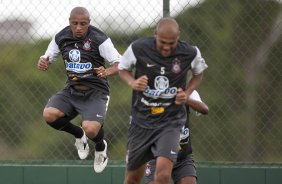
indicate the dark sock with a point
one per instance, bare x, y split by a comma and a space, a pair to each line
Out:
99, 146
64, 124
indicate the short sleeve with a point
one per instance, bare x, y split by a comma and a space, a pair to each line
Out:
198, 65
109, 52
128, 59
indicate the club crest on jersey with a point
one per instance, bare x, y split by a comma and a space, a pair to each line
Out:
161, 90
74, 55
148, 171
75, 65
176, 65
161, 83
87, 45
184, 134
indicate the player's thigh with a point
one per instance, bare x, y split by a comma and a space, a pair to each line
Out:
163, 167
187, 180
59, 105
93, 107
134, 176
184, 170
139, 143
167, 144
50, 114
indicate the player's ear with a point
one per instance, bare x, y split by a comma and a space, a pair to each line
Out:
155, 33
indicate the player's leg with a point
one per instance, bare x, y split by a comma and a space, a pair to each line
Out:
140, 141
95, 132
163, 170
58, 112
187, 180
134, 176
166, 150
184, 171
92, 108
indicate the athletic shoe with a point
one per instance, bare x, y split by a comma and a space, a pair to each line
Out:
101, 159
82, 146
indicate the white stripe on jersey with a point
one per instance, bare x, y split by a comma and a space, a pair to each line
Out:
109, 52
128, 59
198, 65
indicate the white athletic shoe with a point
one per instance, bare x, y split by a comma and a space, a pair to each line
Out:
101, 159
82, 146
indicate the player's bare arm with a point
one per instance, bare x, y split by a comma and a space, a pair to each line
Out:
198, 106
136, 84
140, 84
105, 72
194, 82
181, 97
43, 63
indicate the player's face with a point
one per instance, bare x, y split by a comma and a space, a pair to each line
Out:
79, 25
166, 42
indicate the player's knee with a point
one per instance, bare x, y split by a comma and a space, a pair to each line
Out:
91, 128
50, 115
162, 177
131, 180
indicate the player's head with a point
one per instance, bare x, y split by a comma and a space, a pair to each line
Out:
166, 35
79, 21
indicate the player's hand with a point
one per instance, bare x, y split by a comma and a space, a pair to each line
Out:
181, 97
101, 72
140, 84
43, 63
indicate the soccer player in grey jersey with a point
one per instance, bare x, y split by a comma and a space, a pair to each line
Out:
184, 170
84, 49
160, 92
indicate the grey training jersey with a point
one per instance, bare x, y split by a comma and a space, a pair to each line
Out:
185, 141
81, 56
155, 106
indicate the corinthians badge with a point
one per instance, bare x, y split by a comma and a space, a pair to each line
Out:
176, 66
87, 45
